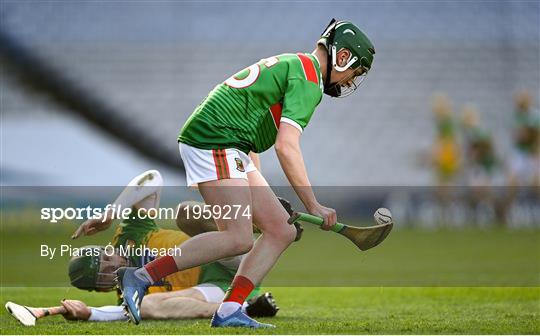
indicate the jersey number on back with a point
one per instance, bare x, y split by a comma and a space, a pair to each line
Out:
253, 73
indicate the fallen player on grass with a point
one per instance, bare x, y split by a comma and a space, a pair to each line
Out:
193, 293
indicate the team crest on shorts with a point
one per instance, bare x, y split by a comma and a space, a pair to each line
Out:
239, 165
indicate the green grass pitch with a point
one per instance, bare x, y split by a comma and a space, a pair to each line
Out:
328, 310
417, 282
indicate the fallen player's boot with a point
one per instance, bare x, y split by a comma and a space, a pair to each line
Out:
262, 306
133, 290
237, 319
21, 313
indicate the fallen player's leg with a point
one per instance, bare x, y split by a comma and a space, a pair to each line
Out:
184, 304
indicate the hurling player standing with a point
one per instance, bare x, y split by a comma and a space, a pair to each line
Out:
267, 104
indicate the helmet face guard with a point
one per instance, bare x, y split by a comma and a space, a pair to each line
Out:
105, 280
348, 85
94, 269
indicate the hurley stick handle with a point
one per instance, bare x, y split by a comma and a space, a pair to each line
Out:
304, 217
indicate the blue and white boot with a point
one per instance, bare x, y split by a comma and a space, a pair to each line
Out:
133, 290
237, 319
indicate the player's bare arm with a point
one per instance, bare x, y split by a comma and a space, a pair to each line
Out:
290, 157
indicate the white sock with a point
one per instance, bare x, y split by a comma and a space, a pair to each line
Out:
143, 274
244, 306
227, 308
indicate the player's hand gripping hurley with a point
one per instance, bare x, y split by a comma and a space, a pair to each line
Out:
363, 237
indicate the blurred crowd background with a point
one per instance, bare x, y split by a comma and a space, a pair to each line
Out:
93, 93
472, 169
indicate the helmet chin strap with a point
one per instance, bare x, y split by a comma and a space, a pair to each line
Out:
333, 89
338, 68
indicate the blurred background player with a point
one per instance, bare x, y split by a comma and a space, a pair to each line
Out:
268, 103
523, 177
480, 166
446, 148
445, 154
525, 157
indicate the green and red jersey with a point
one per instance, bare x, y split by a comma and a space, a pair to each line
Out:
245, 111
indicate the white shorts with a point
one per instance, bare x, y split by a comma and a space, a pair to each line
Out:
211, 292
203, 165
524, 167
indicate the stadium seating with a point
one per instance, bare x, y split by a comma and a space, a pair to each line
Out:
154, 63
